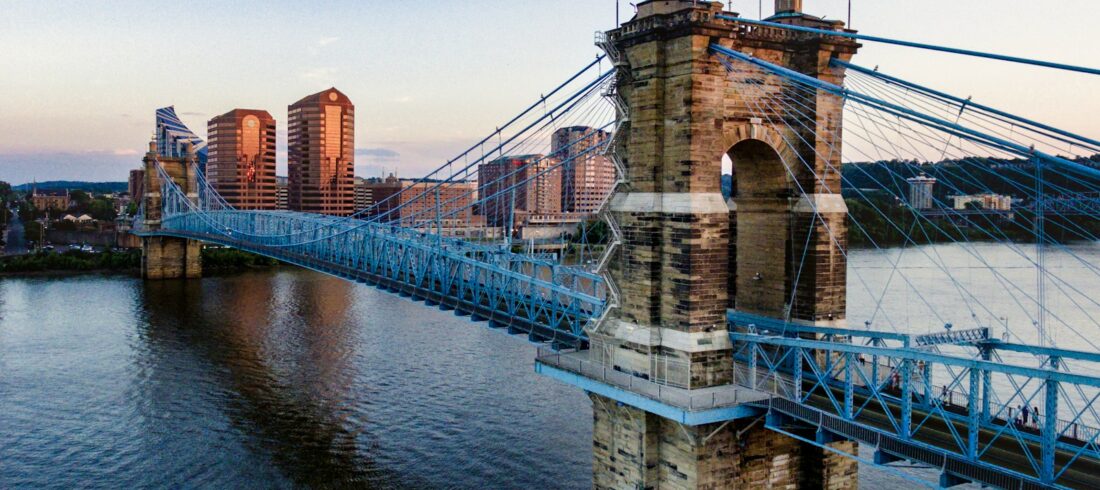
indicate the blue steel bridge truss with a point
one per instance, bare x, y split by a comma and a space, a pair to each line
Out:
947, 399
548, 301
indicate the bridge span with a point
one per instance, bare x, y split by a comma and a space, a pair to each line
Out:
710, 330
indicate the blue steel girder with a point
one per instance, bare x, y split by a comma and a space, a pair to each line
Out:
1044, 455
508, 288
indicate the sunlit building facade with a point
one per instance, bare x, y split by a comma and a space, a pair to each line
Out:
241, 158
320, 154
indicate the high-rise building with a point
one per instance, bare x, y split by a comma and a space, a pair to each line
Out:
921, 192
587, 176
136, 185
241, 158
281, 193
173, 136
321, 150
521, 185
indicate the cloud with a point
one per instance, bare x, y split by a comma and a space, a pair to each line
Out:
403, 100
196, 114
122, 152
325, 41
377, 153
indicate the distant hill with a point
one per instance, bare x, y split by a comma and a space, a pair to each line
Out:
72, 185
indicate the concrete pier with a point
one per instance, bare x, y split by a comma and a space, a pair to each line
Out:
164, 257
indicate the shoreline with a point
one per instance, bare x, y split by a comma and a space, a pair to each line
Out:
136, 273
69, 273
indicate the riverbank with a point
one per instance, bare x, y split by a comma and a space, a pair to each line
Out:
216, 261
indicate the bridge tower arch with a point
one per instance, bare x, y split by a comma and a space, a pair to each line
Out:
688, 254
165, 257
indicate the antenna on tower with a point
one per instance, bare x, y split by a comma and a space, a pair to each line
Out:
849, 14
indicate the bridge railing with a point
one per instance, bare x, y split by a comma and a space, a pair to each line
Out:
828, 377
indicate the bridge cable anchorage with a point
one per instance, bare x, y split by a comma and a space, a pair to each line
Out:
911, 44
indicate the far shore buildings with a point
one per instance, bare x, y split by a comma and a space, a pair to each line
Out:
991, 202
53, 200
512, 187
418, 203
587, 175
281, 193
241, 158
364, 193
136, 184
921, 190
321, 150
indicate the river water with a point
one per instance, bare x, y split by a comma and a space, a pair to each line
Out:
289, 378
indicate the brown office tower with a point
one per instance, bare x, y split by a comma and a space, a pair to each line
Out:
241, 158
321, 150
587, 174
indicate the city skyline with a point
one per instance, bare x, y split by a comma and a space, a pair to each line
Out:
90, 82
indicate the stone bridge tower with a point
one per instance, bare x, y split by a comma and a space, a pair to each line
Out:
688, 254
164, 257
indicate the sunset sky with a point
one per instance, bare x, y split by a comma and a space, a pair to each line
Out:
79, 80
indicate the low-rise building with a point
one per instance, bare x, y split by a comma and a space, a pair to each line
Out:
52, 199
992, 202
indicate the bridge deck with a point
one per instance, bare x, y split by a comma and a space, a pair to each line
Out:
931, 444
1006, 452
689, 407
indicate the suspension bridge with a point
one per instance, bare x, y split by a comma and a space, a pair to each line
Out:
742, 339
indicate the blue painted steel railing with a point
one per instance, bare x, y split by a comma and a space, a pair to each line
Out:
880, 391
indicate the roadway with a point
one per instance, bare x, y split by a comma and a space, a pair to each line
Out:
15, 243
1006, 452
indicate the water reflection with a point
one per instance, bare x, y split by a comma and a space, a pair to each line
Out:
286, 381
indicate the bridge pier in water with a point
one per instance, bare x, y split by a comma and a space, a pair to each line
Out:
166, 257
688, 254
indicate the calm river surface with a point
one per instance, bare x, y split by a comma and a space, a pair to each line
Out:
293, 379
